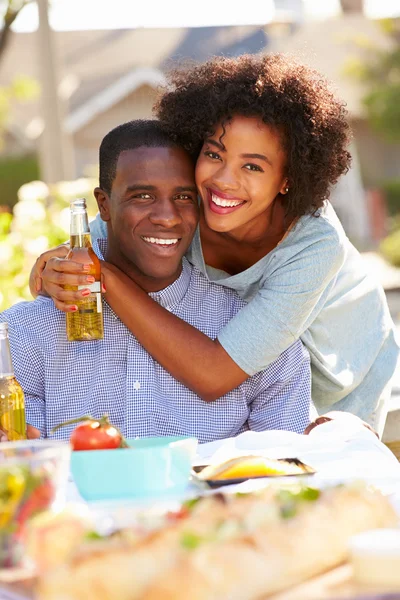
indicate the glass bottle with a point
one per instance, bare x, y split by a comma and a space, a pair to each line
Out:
87, 322
12, 400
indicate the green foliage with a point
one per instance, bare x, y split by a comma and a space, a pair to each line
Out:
40, 221
392, 193
14, 172
390, 248
24, 89
5, 223
379, 71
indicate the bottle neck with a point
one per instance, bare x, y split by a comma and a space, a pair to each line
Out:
80, 232
6, 368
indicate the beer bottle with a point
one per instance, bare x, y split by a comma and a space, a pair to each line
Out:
12, 401
87, 322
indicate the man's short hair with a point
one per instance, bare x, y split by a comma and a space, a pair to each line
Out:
129, 136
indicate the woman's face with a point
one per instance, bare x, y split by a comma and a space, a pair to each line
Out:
240, 174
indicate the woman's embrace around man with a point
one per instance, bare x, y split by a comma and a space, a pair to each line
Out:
270, 140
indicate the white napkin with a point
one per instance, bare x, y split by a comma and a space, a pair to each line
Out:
338, 449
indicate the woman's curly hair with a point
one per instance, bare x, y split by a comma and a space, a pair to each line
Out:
289, 96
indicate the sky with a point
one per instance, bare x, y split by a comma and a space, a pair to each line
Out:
115, 14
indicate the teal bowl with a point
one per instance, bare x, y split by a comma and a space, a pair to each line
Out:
154, 466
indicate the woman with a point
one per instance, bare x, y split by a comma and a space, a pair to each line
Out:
271, 140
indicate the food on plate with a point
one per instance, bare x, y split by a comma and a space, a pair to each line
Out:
25, 491
94, 434
51, 537
245, 467
236, 547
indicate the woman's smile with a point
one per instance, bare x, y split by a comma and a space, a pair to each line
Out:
221, 203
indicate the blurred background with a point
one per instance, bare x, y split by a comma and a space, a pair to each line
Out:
70, 70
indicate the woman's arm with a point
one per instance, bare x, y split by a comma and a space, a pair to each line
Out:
257, 335
193, 358
209, 371
262, 330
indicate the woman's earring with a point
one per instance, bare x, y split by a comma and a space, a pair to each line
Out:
286, 190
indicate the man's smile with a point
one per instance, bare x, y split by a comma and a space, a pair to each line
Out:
162, 246
161, 241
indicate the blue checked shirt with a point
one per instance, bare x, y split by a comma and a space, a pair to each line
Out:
63, 380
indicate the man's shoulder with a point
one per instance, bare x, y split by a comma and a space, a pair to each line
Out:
201, 284
290, 362
37, 313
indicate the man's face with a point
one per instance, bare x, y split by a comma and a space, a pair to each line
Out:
152, 214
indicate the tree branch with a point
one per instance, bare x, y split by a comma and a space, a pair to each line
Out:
12, 12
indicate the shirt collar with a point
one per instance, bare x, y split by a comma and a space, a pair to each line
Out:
169, 296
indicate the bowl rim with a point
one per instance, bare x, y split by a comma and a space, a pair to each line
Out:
48, 449
180, 440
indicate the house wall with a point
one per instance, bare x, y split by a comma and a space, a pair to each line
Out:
137, 105
378, 159
350, 202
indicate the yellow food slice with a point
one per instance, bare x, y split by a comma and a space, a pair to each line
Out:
253, 467
249, 466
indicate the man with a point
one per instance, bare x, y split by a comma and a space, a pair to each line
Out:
147, 196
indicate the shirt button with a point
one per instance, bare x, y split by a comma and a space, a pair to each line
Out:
136, 385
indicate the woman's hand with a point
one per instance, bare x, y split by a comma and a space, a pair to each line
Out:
335, 416
59, 273
52, 272
35, 279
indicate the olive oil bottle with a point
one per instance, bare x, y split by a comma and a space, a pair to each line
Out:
87, 322
12, 400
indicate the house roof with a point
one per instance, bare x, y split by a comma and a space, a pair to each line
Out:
105, 64
112, 94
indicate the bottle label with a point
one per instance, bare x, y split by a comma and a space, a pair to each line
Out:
94, 287
99, 305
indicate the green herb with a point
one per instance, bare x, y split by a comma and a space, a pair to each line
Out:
190, 540
289, 500
310, 494
191, 503
92, 536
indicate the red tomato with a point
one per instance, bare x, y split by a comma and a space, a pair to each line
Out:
93, 435
39, 500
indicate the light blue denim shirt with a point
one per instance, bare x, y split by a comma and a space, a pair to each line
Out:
313, 286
